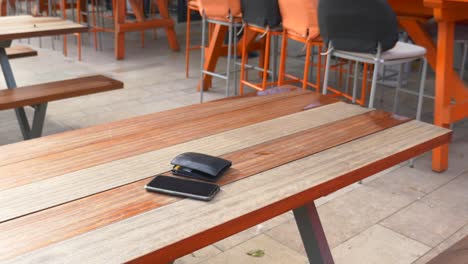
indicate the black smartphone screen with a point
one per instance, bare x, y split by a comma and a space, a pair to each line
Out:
177, 186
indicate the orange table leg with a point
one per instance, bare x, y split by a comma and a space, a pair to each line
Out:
119, 39
170, 31
443, 95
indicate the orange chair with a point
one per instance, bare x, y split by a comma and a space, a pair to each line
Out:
300, 24
260, 17
226, 13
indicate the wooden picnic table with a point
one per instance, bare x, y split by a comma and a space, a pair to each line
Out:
79, 196
17, 27
451, 93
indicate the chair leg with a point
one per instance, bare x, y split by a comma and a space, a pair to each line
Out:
421, 89
422, 86
396, 98
465, 53
244, 61
374, 84
284, 52
306, 67
327, 69
266, 63
319, 67
187, 44
234, 36
229, 55
203, 44
355, 81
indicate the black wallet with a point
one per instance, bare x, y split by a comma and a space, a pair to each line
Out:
200, 166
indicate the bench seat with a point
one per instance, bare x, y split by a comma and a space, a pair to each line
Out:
43, 93
17, 52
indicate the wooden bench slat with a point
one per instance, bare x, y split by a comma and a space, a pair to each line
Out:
46, 193
111, 206
114, 146
17, 52
172, 231
42, 93
77, 138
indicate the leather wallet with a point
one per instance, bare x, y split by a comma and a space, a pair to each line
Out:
200, 166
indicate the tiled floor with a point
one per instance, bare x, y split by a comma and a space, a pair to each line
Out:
405, 215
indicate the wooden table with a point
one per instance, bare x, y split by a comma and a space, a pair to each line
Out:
122, 26
79, 196
17, 27
451, 102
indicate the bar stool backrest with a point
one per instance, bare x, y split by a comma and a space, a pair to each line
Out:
220, 9
262, 13
300, 17
358, 25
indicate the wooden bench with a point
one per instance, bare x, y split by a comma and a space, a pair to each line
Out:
457, 253
17, 52
39, 95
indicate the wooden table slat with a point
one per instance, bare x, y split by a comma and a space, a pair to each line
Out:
163, 120
150, 138
181, 227
16, 27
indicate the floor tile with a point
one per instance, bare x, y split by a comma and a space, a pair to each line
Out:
437, 216
274, 253
379, 245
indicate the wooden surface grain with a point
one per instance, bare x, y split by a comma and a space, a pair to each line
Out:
180, 227
44, 193
124, 202
163, 121
53, 91
114, 142
17, 27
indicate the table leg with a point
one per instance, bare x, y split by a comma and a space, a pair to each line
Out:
119, 38
170, 31
312, 234
442, 89
40, 110
11, 84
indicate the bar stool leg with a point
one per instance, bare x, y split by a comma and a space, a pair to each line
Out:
284, 52
306, 68
234, 35
266, 62
327, 69
422, 86
375, 76
244, 61
203, 44
229, 55
355, 81
396, 98
187, 43
465, 53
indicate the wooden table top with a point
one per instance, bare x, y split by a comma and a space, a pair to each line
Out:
79, 197
16, 27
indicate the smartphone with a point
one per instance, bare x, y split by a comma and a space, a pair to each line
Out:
180, 187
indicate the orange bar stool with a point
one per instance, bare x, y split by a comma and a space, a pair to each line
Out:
225, 13
260, 17
300, 24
